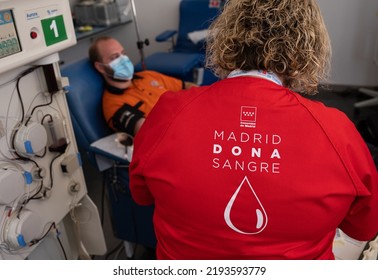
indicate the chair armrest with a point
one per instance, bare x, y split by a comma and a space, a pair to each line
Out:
162, 37
107, 147
109, 155
198, 36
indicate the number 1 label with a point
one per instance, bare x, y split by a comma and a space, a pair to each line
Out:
54, 30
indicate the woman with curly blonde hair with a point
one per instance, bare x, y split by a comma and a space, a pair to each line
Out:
286, 37
248, 167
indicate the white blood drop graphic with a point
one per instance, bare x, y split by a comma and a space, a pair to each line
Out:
261, 216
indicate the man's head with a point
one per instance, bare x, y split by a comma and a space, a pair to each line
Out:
287, 37
108, 56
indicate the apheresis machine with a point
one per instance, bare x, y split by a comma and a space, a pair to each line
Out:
45, 212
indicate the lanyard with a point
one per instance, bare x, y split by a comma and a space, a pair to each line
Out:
257, 73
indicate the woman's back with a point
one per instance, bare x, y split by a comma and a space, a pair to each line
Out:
246, 169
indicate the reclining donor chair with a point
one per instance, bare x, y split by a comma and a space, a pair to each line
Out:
130, 222
186, 58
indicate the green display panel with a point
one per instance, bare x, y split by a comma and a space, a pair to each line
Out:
54, 30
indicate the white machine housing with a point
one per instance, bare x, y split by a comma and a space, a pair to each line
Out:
42, 27
45, 212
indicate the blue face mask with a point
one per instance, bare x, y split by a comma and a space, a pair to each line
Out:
122, 67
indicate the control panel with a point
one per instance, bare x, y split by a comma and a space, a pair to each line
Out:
30, 30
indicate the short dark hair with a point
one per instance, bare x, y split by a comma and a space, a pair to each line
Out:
93, 53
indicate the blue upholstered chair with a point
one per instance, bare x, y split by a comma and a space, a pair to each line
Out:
130, 222
84, 101
185, 60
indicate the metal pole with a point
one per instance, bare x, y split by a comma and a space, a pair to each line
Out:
140, 43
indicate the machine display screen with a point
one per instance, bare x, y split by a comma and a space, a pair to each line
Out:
9, 41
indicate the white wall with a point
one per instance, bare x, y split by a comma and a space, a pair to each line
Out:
352, 24
153, 17
353, 28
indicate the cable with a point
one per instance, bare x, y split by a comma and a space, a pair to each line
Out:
53, 225
33, 197
119, 188
17, 87
45, 116
103, 198
24, 198
83, 253
115, 249
51, 171
32, 101
38, 106
35, 241
23, 74
7, 118
61, 246
8, 82
119, 251
21, 123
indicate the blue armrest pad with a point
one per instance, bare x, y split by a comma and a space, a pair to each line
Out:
165, 35
179, 63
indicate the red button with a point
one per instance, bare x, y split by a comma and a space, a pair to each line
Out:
33, 34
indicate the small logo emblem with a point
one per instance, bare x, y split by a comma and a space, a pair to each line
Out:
248, 116
214, 3
155, 83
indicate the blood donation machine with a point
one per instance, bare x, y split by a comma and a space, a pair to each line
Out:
45, 212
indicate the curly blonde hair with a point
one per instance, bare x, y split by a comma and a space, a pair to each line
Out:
287, 37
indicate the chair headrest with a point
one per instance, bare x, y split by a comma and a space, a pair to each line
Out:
195, 15
85, 102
